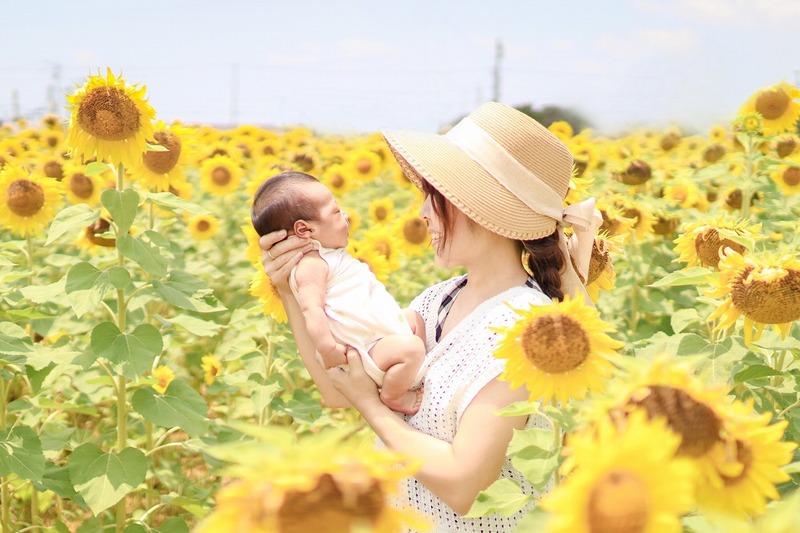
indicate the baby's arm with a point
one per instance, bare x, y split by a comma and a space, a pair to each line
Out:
417, 324
311, 276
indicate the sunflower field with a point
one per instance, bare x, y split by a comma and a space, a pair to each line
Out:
149, 381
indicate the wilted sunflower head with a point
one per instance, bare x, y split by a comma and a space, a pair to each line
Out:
636, 172
764, 288
558, 351
777, 106
110, 119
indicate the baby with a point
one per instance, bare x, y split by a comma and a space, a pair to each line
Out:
342, 302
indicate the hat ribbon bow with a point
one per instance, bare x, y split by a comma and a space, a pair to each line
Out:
584, 220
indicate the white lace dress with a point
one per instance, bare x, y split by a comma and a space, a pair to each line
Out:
456, 369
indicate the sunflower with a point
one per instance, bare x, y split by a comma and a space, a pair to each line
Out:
220, 175
338, 179
353, 219
559, 351
413, 231
377, 262
203, 227
54, 168
321, 482
748, 464
163, 376
615, 222
212, 367
636, 172
685, 194
384, 241
80, 188
777, 105
561, 129
718, 134
586, 156
253, 251
765, 289
268, 296
110, 119
381, 210
28, 202
637, 211
622, 480
703, 243
98, 234
160, 170
786, 145
363, 164
601, 268
787, 177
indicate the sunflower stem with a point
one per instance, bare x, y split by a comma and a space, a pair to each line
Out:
777, 380
266, 413
29, 240
4, 493
789, 408
634, 305
558, 439
121, 386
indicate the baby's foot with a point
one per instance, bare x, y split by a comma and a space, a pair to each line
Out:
407, 403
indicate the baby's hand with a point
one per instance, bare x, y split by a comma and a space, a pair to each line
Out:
334, 357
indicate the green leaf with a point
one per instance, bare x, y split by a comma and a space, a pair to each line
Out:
532, 453
71, 218
43, 293
147, 255
173, 524
123, 206
686, 276
683, 318
103, 479
170, 201
503, 497
21, 453
14, 349
95, 168
133, 352
262, 391
187, 292
180, 406
156, 148
194, 325
56, 478
86, 287
755, 372
519, 409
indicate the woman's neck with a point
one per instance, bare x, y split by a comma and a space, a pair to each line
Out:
496, 269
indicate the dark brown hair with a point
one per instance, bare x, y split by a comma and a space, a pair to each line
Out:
278, 204
545, 259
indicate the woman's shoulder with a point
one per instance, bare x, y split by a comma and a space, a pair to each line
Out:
436, 290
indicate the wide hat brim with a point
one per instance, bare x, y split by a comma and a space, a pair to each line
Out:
466, 184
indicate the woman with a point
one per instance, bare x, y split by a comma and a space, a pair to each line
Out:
494, 187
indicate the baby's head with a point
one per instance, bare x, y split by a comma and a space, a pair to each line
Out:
300, 204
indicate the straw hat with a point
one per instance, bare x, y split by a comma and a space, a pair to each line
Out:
509, 174
500, 191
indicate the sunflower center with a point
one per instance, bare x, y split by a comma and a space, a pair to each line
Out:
415, 231
668, 142
108, 114
637, 173
363, 166
665, 225
304, 161
163, 162
555, 343
597, 263
772, 104
618, 504
745, 456
25, 197
94, 232
221, 176
708, 246
81, 186
769, 301
383, 248
203, 225
695, 422
381, 213
327, 508
791, 176
785, 146
714, 153
53, 169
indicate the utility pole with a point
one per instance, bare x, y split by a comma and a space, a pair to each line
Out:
55, 84
498, 56
15, 114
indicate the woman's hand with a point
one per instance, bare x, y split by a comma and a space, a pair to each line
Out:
354, 383
280, 254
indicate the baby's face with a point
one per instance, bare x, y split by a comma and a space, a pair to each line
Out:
331, 227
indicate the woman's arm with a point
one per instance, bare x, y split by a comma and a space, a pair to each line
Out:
286, 253
455, 472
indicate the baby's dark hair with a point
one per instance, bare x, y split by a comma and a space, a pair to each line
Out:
278, 203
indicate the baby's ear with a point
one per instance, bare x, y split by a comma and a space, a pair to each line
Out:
302, 229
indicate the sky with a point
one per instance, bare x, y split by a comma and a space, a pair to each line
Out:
361, 66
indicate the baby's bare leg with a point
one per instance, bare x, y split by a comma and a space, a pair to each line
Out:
400, 356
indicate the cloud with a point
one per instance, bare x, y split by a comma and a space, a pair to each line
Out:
726, 12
